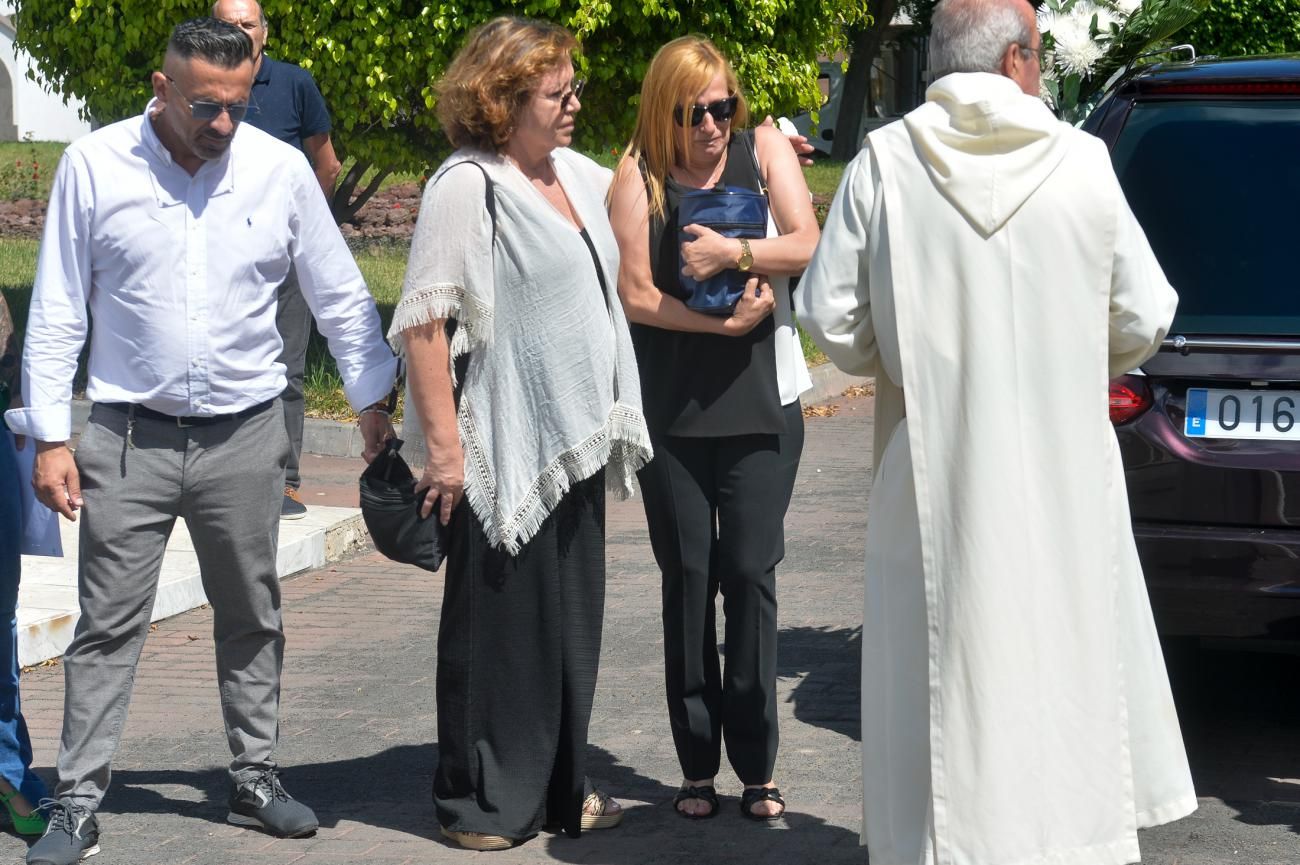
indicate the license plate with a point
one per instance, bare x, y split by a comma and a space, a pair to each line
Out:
1242, 414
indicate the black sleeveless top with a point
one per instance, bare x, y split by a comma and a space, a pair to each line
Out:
702, 385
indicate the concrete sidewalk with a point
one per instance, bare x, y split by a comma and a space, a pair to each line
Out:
359, 729
358, 723
47, 598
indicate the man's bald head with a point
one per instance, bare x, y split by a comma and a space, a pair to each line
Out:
225, 9
973, 35
248, 16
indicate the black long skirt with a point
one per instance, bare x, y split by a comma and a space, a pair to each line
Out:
518, 647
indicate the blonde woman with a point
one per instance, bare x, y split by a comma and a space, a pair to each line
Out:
529, 408
721, 397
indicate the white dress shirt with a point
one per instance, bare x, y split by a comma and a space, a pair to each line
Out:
180, 275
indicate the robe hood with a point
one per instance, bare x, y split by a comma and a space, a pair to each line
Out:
986, 144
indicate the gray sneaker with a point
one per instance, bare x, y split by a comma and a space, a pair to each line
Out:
291, 506
262, 802
71, 835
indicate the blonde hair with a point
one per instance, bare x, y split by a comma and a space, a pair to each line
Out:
677, 74
493, 76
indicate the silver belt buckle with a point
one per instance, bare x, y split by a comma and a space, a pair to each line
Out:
180, 422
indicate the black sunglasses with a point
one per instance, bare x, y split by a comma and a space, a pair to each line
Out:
205, 110
722, 111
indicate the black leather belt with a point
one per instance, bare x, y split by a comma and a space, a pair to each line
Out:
139, 411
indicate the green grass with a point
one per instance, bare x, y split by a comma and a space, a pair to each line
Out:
823, 177
391, 180
383, 265
27, 168
17, 273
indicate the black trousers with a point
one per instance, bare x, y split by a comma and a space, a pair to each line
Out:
518, 646
716, 511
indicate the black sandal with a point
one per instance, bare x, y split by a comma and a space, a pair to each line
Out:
705, 794
751, 796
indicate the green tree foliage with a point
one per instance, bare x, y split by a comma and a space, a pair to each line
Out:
376, 60
1231, 28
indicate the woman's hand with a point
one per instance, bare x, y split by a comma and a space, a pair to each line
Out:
708, 253
754, 305
444, 478
428, 376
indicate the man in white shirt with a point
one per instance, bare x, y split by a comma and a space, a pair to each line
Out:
175, 228
980, 260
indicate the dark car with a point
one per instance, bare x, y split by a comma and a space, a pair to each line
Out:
1208, 154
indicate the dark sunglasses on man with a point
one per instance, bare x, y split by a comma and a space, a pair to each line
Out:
722, 111
205, 110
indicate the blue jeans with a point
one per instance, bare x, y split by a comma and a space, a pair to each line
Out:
15, 744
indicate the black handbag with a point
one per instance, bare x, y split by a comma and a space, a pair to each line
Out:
391, 509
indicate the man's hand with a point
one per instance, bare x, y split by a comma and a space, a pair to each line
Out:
754, 305
376, 429
444, 477
802, 148
55, 479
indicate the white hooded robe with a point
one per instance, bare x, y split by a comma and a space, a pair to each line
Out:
981, 262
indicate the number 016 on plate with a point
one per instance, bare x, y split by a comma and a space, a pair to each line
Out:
1242, 414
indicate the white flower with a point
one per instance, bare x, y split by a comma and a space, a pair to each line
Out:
1084, 11
1077, 56
1046, 19
1074, 49
1105, 18
1128, 7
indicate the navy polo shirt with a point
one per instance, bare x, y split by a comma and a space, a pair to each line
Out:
287, 103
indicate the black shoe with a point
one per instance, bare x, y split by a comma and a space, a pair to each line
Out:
751, 796
71, 835
706, 794
262, 802
291, 507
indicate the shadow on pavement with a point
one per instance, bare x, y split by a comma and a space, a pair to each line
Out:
391, 789
347, 790
1240, 714
829, 660
654, 834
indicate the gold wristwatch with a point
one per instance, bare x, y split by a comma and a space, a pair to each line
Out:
746, 260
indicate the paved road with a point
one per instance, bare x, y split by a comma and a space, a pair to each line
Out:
358, 723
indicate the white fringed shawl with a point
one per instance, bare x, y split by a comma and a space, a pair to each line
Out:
551, 395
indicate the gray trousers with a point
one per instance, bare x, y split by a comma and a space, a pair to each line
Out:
293, 321
225, 479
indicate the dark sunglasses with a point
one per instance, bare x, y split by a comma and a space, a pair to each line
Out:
722, 111
205, 110
574, 92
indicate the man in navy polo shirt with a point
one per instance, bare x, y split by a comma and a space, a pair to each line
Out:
286, 103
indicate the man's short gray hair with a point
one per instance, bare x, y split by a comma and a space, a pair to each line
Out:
972, 35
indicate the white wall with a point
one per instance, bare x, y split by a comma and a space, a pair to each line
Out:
37, 114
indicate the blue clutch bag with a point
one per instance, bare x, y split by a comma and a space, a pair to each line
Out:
731, 212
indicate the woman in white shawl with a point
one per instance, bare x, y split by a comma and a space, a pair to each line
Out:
522, 377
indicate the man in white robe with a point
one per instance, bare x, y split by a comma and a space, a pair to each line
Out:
981, 262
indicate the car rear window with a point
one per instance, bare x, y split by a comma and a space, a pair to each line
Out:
1216, 186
